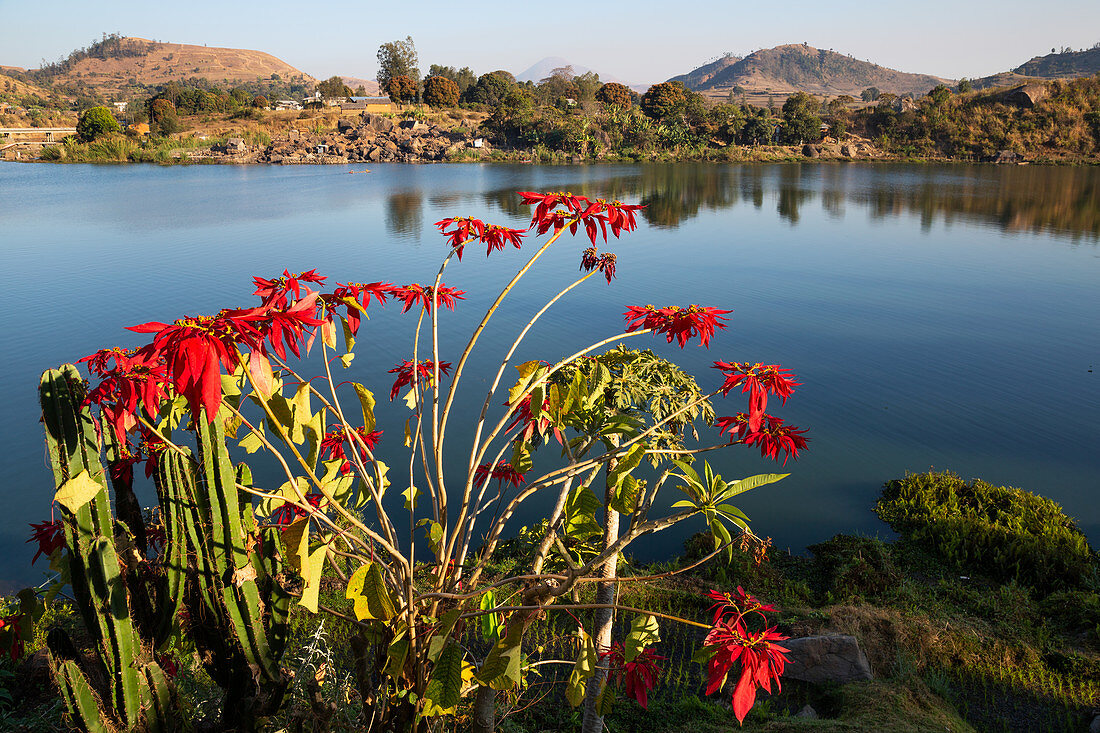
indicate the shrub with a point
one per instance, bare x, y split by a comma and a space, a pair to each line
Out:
855, 566
1004, 532
96, 122
439, 91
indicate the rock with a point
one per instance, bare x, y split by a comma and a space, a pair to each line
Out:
374, 155
810, 151
1094, 727
413, 125
1027, 95
849, 151
378, 123
807, 713
276, 158
343, 126
835, 658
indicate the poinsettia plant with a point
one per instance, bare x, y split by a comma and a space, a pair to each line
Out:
417, 572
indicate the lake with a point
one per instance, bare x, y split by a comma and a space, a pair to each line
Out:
938, 316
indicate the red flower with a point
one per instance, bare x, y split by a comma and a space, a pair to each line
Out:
359, 293
729, 641
675, 322
156, 538
424, 368
284, 327
467, 228
593, 260
639, 676
577, 210
136, 379
774, 437
503, 472
524, 417
49, 536
274, 292
288, 512
414, 293
334, 443
194, 350
620, 216
757, 379
11, 632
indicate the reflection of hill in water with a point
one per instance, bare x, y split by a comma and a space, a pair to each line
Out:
1014, 198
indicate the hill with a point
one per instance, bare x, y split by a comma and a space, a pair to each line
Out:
698, 77
117, 61
1059, 65
797, 67
542, 69
13, 89
355, 82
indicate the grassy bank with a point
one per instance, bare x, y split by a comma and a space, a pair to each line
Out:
983, 615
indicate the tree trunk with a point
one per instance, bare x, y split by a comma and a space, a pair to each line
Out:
604, 617
484, 710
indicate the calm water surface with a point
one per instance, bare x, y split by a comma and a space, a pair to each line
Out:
939, 317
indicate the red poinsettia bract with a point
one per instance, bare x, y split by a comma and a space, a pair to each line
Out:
593, 260
288, 512
503, 472
336, 442
274, 292
49, 536
423, 368
522, 416
773, 437
355, 297
11, 632
414, 293
136, 379
759, 380
729, 640
682, 324
596, 215
637, 677
466, 229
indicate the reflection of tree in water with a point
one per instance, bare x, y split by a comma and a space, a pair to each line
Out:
1032, 198
403, 213
791, 193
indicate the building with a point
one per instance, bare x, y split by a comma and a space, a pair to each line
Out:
287, 104
368, 104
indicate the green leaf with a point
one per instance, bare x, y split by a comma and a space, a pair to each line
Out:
345, 360
626, 495
583, 669
521, 457
739, 487
580, 514
643, 632
77, 491
442, 633
252, 442
349, 339
626, 464
296, 540
368, 593
396, 654
490, 622
445, 683
501, 668
433, 533
411, 494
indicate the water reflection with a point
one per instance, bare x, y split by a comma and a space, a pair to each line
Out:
404, 213
1065, 201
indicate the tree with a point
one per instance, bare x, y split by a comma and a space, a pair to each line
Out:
663, 100
96, 122
260, 102
333, 87
614, 95
965, 86
800, 118
439, 91
870, 94
491, 88
401, 89
162, 117
397, 58
939, 95
360, 91
464, 77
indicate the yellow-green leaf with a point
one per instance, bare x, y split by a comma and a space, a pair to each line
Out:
445, 683
583, 669
367, 402
644, 631
346, 359
296, 540
311, 575
77, 491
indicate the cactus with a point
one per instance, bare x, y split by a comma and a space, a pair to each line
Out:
125, 689
215, 562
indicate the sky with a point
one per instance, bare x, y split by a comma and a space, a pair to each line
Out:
642, 42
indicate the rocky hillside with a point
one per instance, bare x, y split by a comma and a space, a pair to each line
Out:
117, 61
697, 78
1058, 65
791, 68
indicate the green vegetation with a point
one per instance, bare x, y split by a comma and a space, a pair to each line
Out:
95, 123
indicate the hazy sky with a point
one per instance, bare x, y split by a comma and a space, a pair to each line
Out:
639, 42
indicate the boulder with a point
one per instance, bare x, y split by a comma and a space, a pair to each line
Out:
343, 126
807, 713
1094, 727
378, 123
834, 658
849, 151
810, 151
1027, 95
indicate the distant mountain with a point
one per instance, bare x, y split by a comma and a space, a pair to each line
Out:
355, 82
542, 69
697, 78
1058, 65
112, 63
798, 67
